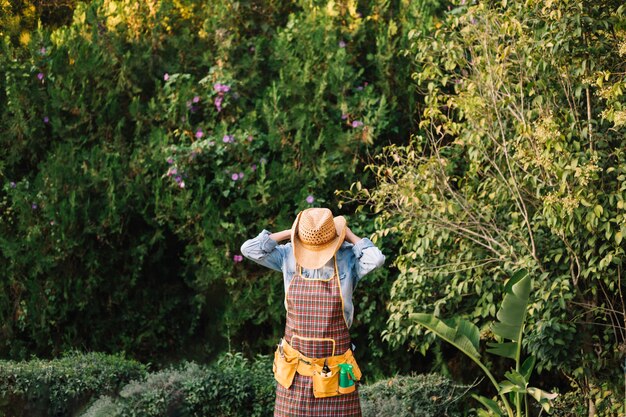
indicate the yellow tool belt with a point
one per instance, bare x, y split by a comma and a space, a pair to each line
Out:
288, 361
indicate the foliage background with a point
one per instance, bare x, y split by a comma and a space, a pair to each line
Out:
121, 219
143, 142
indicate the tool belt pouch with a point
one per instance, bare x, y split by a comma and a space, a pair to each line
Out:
284, 369
325, 384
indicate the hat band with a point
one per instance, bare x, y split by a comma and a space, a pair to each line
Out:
317, 247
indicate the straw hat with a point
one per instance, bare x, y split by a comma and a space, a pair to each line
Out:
316, 236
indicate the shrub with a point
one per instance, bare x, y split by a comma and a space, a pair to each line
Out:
55, 388
236, 387
424, 395
233, 386
519, 166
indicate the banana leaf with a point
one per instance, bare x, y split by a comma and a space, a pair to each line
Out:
461, 333
512, 315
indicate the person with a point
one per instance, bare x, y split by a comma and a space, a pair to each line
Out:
321, 266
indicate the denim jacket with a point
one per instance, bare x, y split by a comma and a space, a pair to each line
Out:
353, 262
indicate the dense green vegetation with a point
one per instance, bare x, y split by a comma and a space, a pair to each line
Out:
146, 141
518, 165
143, 142
96, 385
60, 386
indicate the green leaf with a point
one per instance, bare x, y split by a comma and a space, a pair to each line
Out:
505, 349
491, 405
527, 367
512, 313
544, 398
517, 379
507, 386
461, 333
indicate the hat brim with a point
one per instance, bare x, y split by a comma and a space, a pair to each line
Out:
313, 257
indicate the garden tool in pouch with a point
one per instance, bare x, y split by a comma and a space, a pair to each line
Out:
346, 378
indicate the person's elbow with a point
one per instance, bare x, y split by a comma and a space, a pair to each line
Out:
381, 261
246, 248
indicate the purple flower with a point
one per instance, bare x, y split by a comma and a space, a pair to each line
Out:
473, 20
237, 258
172, 171
46, 119
221, 88
342, 44
357, 123
253, 167
196, 99
181, 184
40, 76
12, 184
228, 139
42, 50
360, 88
166, 76
344, 116
250, 138
170, 161
218, 103
240, 175
234, 177
34, 206
252, 49
310, 199
199, 133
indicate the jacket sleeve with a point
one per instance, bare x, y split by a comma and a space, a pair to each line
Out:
264, 251
368, 257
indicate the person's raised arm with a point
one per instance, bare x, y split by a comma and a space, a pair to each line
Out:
278, 236
368, 256
264, 249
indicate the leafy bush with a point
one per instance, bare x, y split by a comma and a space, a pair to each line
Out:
61, 386
233, 386
99, 385
424, 395
144, 142
236, 387
518, 166
604, 401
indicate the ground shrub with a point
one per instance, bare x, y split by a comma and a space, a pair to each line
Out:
58, 387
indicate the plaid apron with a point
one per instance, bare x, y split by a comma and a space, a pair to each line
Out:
315, 311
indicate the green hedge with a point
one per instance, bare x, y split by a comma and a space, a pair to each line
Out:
98, 385
58, 387
240, 388
234, 386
